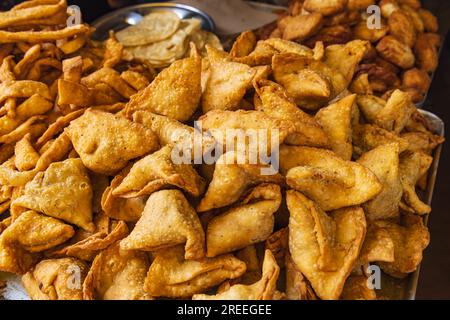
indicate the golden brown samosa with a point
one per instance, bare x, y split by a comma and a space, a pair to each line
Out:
249, 222
327, 179
127, 209
264, 289
335, 120
396, 113
367, 136
276, 103
383, 161
424, 142
168, 219
86, 247
28, 235
345, 57
227, 83
171, 131
410, 239
157, 171
117, 274
231, 180
324, 247
413, 166
63, 191
106, 142
173, 277
175, 92
356, 288
378, 245
311, 83
56, 279
225, 125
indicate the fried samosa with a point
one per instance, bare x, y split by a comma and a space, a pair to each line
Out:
396, 113
276, 103
231, 180
87, 248
324, 247
28, 235
221, 123
413, 165
175, 92
56, 279
171, 131
157, 171
367, 137
378, 245
117, 274
264, 289
383, 161
327, 179
410, 239
63, 191
345, 57
311, 83
227, 83
335, 120
168, 219
106, 142
424, 142
127, 209
249, 222
356, 288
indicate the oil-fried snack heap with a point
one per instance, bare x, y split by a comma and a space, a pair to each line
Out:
103, 196
404, 41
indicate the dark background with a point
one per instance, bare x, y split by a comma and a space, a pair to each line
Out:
434, 280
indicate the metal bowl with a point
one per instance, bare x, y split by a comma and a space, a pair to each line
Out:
128, 16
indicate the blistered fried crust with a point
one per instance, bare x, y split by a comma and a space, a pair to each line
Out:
106, 142
56, 279
324, 247
117, 274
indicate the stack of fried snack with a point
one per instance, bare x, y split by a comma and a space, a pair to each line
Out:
96, 206
404, 46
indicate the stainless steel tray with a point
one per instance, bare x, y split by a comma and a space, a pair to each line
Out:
391, 288
122, 18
